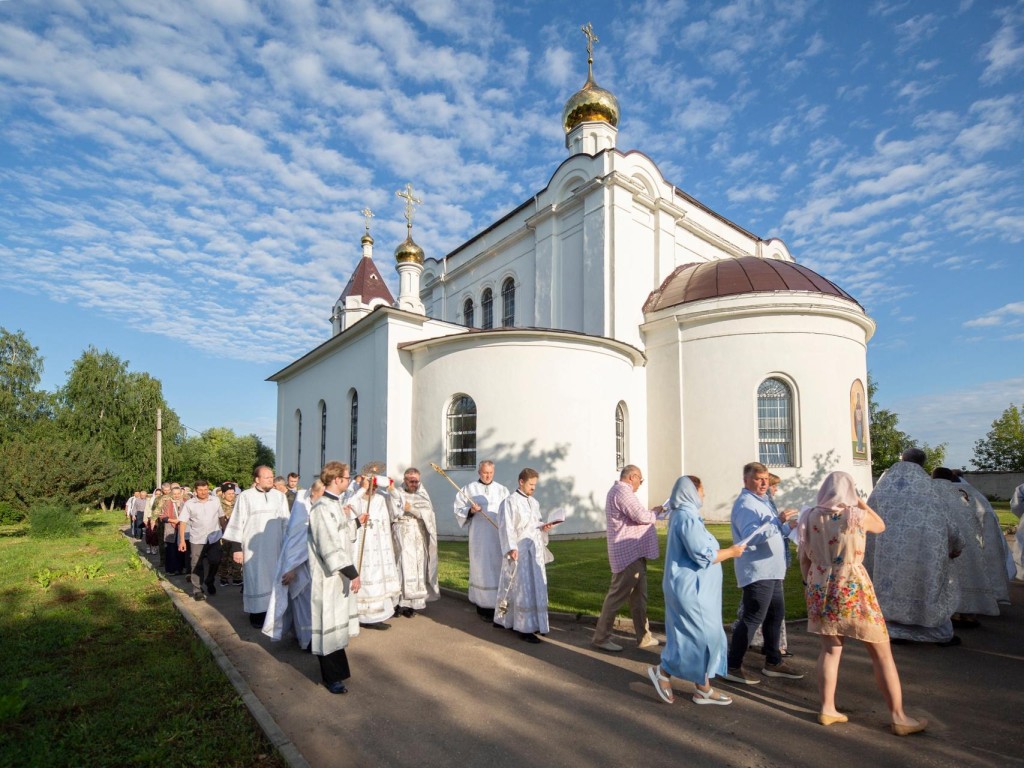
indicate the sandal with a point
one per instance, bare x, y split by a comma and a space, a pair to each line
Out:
657, 678
710, 696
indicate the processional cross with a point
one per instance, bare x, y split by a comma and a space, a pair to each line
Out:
410, 200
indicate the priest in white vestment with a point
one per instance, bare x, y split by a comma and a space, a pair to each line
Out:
375, 551
334, 580
290, 600
523, 588
415, 537
257, 526
1017, 507
911, 563
477, 507
995, 551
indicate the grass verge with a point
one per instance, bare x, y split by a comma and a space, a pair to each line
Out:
99, 669
579, 577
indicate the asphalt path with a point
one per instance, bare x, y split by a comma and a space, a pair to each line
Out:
445, 688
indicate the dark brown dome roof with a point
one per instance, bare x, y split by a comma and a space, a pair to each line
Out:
731, 277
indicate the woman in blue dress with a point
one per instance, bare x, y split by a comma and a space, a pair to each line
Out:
695, 647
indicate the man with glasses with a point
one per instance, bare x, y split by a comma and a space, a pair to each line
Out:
415, 535
632, 541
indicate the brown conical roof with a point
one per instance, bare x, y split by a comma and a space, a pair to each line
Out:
367, 284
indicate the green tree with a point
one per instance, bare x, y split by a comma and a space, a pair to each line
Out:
21, 368
218, 454
1002, 449
888, 442
104, 403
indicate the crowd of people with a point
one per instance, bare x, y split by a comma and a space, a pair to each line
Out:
922, 555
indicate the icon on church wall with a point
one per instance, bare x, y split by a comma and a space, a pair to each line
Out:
859, 421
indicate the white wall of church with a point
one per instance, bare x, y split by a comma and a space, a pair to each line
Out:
725, 349
543, 401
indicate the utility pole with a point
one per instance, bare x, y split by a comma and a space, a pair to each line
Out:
159, 447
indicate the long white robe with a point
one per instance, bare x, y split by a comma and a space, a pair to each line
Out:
526, 585
909, 562
290, 605
1017, 507
378, 572
258, 523
332, 546
976, 593
485, 555
995, 551
415, 537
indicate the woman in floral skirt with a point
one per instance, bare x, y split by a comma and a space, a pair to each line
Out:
841, 600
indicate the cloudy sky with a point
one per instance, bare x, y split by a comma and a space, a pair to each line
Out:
181, 182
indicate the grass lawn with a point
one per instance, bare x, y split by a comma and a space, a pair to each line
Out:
1006, 518
578, 578
99, 669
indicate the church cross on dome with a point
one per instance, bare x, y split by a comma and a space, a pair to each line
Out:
588, 30
410, 200
367, 214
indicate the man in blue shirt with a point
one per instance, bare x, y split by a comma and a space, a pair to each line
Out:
760, 572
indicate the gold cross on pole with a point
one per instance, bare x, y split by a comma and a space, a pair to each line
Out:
588, 30
367, 214
410, 200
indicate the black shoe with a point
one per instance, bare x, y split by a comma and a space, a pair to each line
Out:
786, 654
256, 619
210, 589
528, 637
236, 582
408, 613
378, 625
198, 597
338, 687
486, 614
225, 583
953, 641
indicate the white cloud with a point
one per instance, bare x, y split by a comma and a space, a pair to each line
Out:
1007, 315
1004, 53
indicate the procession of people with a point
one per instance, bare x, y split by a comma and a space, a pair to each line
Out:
924, 554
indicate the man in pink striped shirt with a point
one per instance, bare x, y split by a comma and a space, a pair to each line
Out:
632, 541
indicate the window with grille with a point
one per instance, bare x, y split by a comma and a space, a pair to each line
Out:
323, 433
353, 430
775, 423
620, 436
461, 432
487, 309
467, 313
508, 303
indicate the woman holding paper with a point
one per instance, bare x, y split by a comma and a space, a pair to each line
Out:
695, 646
841, 599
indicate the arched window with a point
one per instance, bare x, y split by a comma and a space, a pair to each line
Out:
620, 435
323, 433
487, 309
508, 303
298, 443
467, 313
461, 432
775, 423
353, 431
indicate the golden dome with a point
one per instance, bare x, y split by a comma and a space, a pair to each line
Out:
366, 239
589, 104
408, 251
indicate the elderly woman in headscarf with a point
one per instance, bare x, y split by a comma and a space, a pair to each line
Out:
695, 646
841, 599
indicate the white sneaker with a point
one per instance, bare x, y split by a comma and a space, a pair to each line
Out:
650, 641
608, 645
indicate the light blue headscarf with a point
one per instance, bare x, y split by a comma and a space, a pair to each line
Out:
685, 496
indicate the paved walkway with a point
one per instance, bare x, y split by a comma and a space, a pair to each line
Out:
445, 688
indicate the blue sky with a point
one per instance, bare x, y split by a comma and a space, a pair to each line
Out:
181, 182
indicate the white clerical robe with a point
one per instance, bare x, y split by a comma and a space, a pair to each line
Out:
976, 593
290, 605
485, 555
415, 537
995, 551
909, 563
332, 547
525, 585
378, 572
1017, 507
258, 524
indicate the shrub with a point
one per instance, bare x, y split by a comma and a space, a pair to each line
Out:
10, 514
50, 520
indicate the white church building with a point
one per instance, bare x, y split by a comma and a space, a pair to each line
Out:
609, 319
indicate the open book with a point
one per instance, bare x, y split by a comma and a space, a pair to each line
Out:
556, 516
